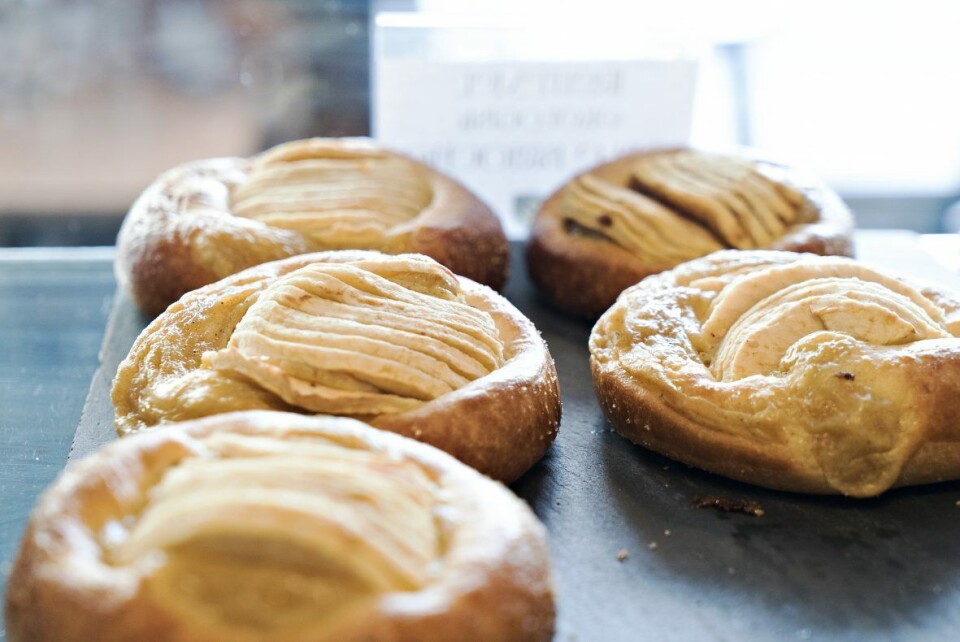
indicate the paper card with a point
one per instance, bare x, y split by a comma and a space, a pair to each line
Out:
513, 131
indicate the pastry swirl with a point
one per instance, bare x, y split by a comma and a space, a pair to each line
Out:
647, 212
793, 371
262, 526
206, 220
397, 340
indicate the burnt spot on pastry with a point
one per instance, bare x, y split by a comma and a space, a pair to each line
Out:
846, 376
570, 226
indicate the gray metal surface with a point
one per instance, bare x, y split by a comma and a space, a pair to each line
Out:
96, 422
53, 307
808, 569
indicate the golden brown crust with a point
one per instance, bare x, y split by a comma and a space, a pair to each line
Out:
180, 233
855, 419
493, 584
458, 231
584, 274
501, 423
642, 417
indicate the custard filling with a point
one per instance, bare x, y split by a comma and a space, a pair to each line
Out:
337, 197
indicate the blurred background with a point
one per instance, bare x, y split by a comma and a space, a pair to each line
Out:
99, 96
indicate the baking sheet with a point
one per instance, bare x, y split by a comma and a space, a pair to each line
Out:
636, 559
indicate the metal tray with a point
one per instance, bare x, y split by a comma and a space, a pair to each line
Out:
636, 559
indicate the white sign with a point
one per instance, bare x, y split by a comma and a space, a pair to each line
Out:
514, 131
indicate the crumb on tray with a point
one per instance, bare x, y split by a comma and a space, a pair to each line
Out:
746, 506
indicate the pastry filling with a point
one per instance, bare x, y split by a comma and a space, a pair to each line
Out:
337, 197
755, 320
634, 221
363, 338
684, 204
729, 196
263, 533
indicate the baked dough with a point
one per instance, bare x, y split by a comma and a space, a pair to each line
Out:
205, 220
395, 340
275, 526
792, 371
617, 223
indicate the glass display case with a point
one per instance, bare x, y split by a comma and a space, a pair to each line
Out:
535, 235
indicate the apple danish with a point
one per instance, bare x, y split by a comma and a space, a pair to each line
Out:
617, 223
395, 340
791, 371
275, 526
206, 220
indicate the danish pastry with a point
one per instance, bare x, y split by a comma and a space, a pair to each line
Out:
275, 526
206, 220
791, 371
396, 340
615, 224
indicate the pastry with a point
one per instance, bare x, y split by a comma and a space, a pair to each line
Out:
791, 371
615, 224
206, 220
275, 526
395, 340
